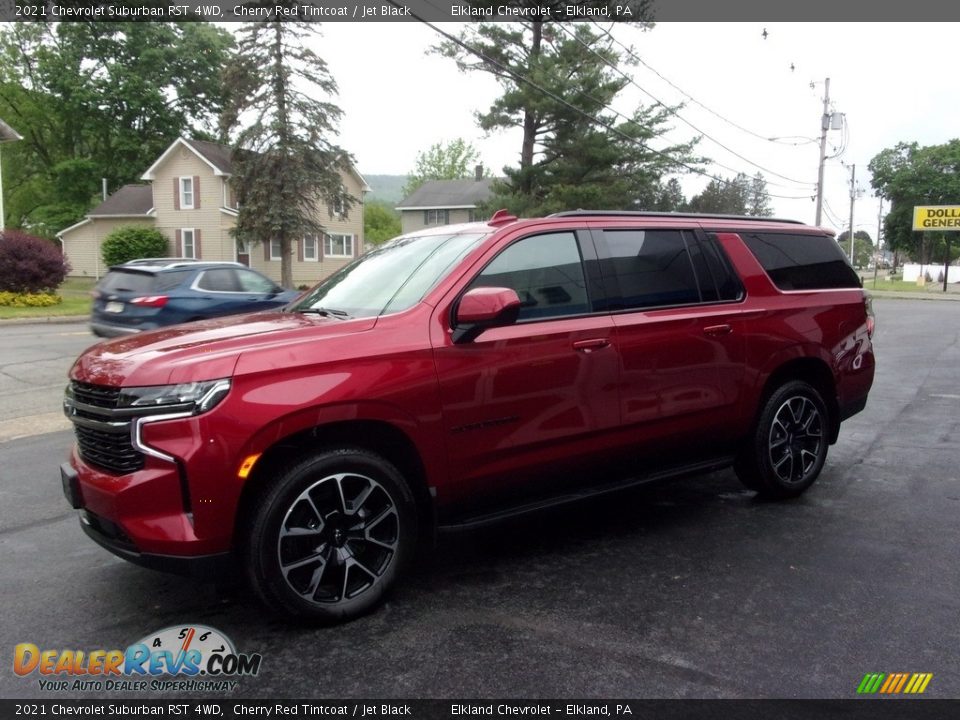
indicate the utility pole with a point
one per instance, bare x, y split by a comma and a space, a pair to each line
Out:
853, 197
824, 126
877, 253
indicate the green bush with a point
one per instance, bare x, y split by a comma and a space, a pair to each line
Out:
132, 243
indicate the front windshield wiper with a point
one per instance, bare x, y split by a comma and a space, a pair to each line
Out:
325, 312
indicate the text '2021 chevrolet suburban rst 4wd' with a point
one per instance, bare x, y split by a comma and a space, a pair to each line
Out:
459, 374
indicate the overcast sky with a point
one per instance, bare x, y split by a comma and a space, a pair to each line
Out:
892, 81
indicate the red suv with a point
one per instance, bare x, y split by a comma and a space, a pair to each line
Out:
459, 374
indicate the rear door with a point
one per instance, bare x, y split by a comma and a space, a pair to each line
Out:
675, 308
525, 404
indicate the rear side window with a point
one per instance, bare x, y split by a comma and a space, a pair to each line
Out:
718, 282
802, 262
651, 267
219, 280
167, 281
123, 281
547, 273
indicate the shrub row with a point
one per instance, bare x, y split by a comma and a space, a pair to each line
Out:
22, 300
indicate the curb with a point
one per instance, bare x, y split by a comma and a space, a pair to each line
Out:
936, 297
50, 319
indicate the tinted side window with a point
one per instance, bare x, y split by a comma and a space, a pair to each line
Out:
802, 262
218, 280
167, 281
252, 282
547, 273
120, 281
651, 267
718, 267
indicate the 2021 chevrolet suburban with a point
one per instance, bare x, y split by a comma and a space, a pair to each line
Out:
459, 374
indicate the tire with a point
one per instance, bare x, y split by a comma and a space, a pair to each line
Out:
331, 536
788, 445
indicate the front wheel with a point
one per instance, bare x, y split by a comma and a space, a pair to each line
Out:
788, 446
331, 535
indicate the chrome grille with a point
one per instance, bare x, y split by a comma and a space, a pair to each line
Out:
99, 395
110, 451
103, 438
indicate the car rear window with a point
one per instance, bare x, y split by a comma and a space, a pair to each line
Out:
802, 262
127, 281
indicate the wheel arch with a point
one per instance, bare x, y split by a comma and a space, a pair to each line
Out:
816, 372
377, 436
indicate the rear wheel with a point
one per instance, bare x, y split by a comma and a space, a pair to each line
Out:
331, 536
788, 446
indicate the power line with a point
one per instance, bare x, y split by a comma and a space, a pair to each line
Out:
520, 78
673, 112
693, 99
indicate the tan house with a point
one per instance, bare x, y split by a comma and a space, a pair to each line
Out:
445, 202
190, 200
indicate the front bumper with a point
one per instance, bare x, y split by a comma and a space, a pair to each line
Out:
107, 330
114, 538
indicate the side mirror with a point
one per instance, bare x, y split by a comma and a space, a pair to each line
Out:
483, 308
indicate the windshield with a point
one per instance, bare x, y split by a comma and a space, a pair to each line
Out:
389, 279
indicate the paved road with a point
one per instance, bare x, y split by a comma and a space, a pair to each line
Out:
34, 360
693, 589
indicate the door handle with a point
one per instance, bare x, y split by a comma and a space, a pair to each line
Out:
587, 346
717, 330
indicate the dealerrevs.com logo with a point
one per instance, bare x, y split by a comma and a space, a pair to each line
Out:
196, 656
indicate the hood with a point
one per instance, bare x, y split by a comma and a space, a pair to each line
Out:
204, 350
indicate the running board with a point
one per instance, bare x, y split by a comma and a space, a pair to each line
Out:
478, 521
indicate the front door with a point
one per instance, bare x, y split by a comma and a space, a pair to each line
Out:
522, 404
243, 253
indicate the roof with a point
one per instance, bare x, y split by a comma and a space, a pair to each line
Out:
218, 157
127, 201
214, 153
438, 194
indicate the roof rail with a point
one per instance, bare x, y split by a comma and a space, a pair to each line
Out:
652, 213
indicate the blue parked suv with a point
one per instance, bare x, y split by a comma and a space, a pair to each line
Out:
156, 292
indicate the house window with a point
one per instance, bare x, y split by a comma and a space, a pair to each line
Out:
436, 217
275, 250
188, 240
310, 248
186, 193
473, 215
338, 209
338, 246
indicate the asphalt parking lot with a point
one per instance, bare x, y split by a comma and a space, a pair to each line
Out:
693, 589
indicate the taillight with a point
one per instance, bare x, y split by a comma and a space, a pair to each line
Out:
155, 301
871, 320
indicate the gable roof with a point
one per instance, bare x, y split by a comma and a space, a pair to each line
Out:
439, 194
127, 201
190, 145
217, 156
214, 153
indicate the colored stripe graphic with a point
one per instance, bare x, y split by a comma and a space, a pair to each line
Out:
894, 683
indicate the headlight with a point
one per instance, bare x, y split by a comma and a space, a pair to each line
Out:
196, 397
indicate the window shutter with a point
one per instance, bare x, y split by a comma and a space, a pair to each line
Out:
176, 193
196, 243
196, 191
300, 248
266, 248
179, 243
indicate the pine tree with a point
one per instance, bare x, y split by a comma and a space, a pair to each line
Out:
285, 166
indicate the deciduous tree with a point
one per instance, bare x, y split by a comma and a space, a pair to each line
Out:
450, 161
98, 100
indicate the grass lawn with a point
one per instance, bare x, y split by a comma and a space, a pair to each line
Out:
76, 301
901, 285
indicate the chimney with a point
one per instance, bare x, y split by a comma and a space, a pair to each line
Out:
479, 172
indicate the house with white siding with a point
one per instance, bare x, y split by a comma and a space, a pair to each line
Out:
189, 198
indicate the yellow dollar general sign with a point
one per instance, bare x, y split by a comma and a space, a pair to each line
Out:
894, 683
936, 217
